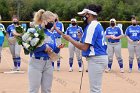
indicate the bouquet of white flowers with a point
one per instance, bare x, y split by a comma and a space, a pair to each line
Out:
20, 30
31, 39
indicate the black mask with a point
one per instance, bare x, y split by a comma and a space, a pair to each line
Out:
16, 23
73, 24
112, 24
49, 25
134, 24
85, 19
56, 20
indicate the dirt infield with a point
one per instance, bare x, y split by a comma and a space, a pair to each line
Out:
69, 82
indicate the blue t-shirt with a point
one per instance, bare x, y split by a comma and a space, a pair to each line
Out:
116, 31
73, 31
48, 42
94, 36
60, 26
2, 29
133, 32
10, 30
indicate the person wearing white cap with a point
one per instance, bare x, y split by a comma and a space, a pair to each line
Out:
114, 34
74, 32
93, 46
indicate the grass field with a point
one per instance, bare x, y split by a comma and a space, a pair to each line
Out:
124, 43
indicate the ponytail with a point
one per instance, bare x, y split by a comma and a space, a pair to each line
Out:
38, 16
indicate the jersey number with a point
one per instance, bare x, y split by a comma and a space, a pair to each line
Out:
134, 34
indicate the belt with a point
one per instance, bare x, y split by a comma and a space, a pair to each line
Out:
41, 58
113, 42
135, 40
58, 37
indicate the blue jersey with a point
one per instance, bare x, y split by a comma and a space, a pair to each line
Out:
94, 36
73, 31
116, 31
133, 32
10, 30
2, 30
48, 42
60, 26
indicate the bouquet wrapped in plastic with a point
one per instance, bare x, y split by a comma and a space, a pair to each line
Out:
20, 30
31, 39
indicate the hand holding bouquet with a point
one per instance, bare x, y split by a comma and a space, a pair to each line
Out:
31, 39
19, 30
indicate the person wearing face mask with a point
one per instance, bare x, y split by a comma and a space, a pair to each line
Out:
133, 36
93, 46
60, 26
114, 35
14, 47
75, 32
40, 71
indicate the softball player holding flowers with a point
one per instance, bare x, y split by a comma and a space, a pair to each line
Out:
15, 49
40, 69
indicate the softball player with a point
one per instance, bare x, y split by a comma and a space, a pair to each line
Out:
133, 36
40, 69
73, 31
14, 47
113, 35
92, 46
60, 26
2, 32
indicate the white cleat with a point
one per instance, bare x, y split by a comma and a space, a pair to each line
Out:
71, 69
80, 69
130, 70
18, 69
139, 70
121, 70
108, 70
14, 69
58, 68
53, 68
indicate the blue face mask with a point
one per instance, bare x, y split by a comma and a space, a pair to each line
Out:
49, 25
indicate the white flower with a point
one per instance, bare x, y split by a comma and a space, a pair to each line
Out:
34, 41
25, 45
32, 30
25, 36
36, 34
29, 39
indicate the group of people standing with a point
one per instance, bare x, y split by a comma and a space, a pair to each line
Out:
114, 35
90, 43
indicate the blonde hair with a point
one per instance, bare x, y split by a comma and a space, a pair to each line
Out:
56, 16
42, 15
